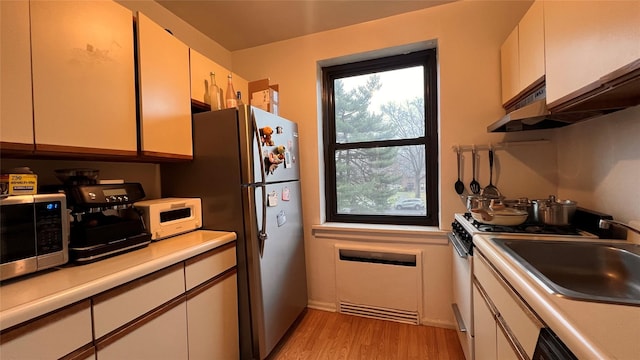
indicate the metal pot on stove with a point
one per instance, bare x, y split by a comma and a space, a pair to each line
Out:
553, 211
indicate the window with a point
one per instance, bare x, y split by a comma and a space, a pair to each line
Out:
380, 140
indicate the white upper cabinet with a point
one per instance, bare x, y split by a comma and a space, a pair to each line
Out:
585, 40
531, 41
522, 54
201, 67
165, 99
510, 67
16, 116
83, 77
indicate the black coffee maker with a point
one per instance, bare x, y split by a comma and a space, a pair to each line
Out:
104, 222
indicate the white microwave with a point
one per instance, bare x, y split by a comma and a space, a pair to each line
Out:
167, 217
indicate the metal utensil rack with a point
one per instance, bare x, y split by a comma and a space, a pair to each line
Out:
497, 146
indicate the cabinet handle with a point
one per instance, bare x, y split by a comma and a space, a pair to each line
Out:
129, 327
511, 291
513, 342
459, 319
511, 338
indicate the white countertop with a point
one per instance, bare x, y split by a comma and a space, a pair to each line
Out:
591, 330
25, 298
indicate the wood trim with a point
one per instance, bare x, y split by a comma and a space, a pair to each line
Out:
198, 106
158, 156
211, 282
82, 353
80, 151
137, 323
4, 145
628, 75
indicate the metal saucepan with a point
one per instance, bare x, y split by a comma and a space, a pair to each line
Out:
552, 211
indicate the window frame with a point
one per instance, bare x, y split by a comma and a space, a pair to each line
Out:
426, 58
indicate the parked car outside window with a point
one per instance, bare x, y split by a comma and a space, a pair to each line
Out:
410, 204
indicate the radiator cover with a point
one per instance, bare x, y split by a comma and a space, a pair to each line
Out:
379, 282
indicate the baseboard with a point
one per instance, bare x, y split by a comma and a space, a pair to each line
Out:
319, 305
438, 323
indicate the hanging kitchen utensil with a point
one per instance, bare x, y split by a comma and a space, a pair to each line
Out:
490, 191
474, 185
459, 185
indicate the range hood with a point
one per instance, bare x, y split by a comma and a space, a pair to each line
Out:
616, 91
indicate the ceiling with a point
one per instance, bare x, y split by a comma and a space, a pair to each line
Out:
241, 24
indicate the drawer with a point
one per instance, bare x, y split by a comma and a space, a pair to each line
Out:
210, 264
117, 307
50, 337
517, 315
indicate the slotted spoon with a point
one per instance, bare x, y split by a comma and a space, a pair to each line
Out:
490, 191
474, 185
459, 185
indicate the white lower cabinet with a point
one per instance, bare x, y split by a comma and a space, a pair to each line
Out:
213, 320
504, 325
188, 310
484, 328
212, 305
159, 335
50, 337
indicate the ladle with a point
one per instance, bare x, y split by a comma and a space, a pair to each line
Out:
459, 185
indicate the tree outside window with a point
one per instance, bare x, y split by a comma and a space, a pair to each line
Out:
380, 140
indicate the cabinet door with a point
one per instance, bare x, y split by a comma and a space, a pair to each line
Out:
165, 99
16, 116
50, 337
83, 77
503, 347
585, 40
200, 69
212, 313
531, 45
160, 335
484, 326
510, 66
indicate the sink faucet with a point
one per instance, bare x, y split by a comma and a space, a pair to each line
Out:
605, 223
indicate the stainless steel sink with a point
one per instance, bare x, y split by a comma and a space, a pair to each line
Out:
593, 271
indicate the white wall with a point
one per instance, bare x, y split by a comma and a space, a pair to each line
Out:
599, 164
468, 36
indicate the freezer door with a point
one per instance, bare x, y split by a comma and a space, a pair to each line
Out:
276, 152
278, 273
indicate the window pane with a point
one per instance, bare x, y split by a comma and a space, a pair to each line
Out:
386, 105
381, 181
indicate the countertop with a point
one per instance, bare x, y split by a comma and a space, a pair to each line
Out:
591, 330
27, 297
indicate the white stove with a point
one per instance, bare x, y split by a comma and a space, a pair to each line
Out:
463, 230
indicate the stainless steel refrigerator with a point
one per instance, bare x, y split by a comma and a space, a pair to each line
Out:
246, 170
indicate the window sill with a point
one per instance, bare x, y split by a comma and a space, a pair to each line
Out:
380, 233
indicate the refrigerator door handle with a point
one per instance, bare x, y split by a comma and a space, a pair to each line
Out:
256, 131
262, 233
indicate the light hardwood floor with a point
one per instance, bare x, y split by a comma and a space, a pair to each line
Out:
334, 336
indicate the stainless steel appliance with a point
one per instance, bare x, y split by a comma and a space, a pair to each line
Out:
464, 228
34, 233
104, 221
170, 216
246, 170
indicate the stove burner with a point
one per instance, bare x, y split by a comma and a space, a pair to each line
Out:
527, 228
